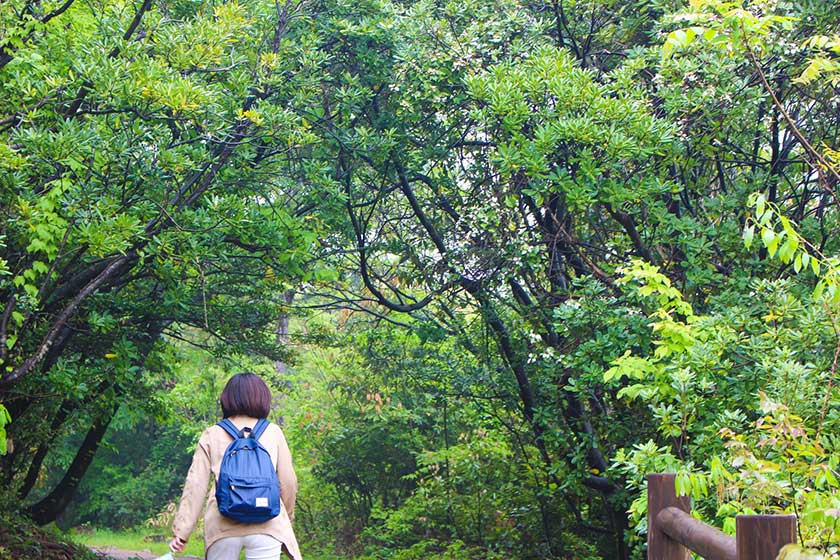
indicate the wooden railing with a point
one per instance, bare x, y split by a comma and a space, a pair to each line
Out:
673, 533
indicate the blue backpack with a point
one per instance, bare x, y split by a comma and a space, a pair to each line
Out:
248, 490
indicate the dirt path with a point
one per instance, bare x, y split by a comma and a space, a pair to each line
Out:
113, 553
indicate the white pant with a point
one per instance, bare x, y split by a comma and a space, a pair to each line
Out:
257, 547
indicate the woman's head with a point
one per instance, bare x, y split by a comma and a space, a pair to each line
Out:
247, 395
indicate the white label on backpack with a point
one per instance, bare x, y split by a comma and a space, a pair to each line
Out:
262, 502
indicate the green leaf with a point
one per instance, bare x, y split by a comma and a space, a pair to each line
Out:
5, 419
773, 246
814, 70
759, 205
632, 367
786, 224
749, 233
40, 267
819, 289
788, 249
767, 236
682, 484
631, 392
325, 275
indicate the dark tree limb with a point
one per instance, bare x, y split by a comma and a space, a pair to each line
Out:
66, 313
38, 459
50, 507
626, 221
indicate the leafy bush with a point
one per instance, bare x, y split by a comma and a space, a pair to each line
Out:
745, 399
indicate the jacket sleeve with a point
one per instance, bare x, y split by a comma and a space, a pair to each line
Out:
195, 491
286, 475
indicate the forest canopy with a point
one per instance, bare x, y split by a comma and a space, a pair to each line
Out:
498, 260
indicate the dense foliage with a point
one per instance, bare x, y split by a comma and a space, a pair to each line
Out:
498, 260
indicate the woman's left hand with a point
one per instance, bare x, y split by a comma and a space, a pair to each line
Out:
177, 545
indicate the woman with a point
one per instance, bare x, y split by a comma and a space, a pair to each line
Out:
245, 399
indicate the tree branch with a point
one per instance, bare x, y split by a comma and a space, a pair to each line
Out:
69, 310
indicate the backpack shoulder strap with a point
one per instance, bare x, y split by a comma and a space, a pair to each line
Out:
259, 428
229, 427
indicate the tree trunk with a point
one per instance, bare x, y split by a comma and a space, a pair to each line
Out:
35, 466
280, 366
52, 505
282, 333
575, 416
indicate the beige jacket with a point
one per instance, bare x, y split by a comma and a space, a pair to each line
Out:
206, 460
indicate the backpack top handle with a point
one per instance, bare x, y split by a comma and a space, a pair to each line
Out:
236, 433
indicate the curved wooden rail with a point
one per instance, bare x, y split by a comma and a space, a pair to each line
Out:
695, 535
673, 533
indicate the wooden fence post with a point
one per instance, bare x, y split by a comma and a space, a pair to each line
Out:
761, 537
661, 494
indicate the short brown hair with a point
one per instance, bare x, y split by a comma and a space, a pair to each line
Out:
245, 394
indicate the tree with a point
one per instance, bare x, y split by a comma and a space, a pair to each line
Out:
140, 157
484, 170
479, 175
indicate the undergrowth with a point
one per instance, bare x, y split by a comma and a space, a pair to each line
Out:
20, 539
